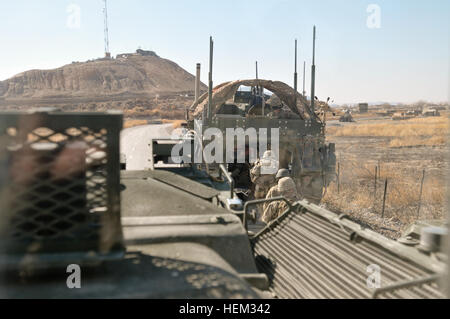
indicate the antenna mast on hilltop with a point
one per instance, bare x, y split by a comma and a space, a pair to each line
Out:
105, 12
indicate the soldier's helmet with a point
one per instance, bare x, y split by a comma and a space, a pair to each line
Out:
275, 101
282, 173
286, 185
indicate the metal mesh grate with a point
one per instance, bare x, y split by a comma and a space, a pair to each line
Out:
307, 256
59, 186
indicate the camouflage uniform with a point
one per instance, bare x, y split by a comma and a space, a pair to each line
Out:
263, 181
286, 187
282, 114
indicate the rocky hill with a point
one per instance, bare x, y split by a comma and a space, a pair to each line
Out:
141, 73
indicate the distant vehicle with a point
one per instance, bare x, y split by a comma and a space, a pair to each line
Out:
413, 113
402, 116
431, 112
385, 113
347, 117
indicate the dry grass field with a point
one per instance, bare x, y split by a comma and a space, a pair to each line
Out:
169, 113
138, 122
399, 151
413, 132
175, 123
133, 122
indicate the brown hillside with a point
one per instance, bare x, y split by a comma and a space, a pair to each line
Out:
134, 74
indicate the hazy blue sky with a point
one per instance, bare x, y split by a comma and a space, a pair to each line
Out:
405, 59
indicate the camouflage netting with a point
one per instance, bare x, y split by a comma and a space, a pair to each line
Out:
226, 91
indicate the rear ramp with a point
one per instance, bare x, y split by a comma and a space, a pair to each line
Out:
310, 252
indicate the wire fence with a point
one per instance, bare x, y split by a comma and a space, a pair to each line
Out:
387, 190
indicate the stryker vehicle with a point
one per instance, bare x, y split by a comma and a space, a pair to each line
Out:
302, 147
163, 233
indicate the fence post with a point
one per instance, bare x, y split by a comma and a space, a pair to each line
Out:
338, 177
420, 195
384, 197
379, 169
376, 172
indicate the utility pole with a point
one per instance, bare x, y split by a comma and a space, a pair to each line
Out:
313, 71
105, 13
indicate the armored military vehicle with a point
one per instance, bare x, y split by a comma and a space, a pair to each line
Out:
347, 117
301, 144
65, 204
73, 225
299, 140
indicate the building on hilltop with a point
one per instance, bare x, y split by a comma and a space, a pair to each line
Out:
146, 53
139, 52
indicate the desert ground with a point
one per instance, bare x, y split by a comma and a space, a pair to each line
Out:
399, 151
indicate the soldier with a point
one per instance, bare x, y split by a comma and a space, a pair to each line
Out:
263, 177
260, 175
285, 187
282, 173
273, 191
240, 172
276, 111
